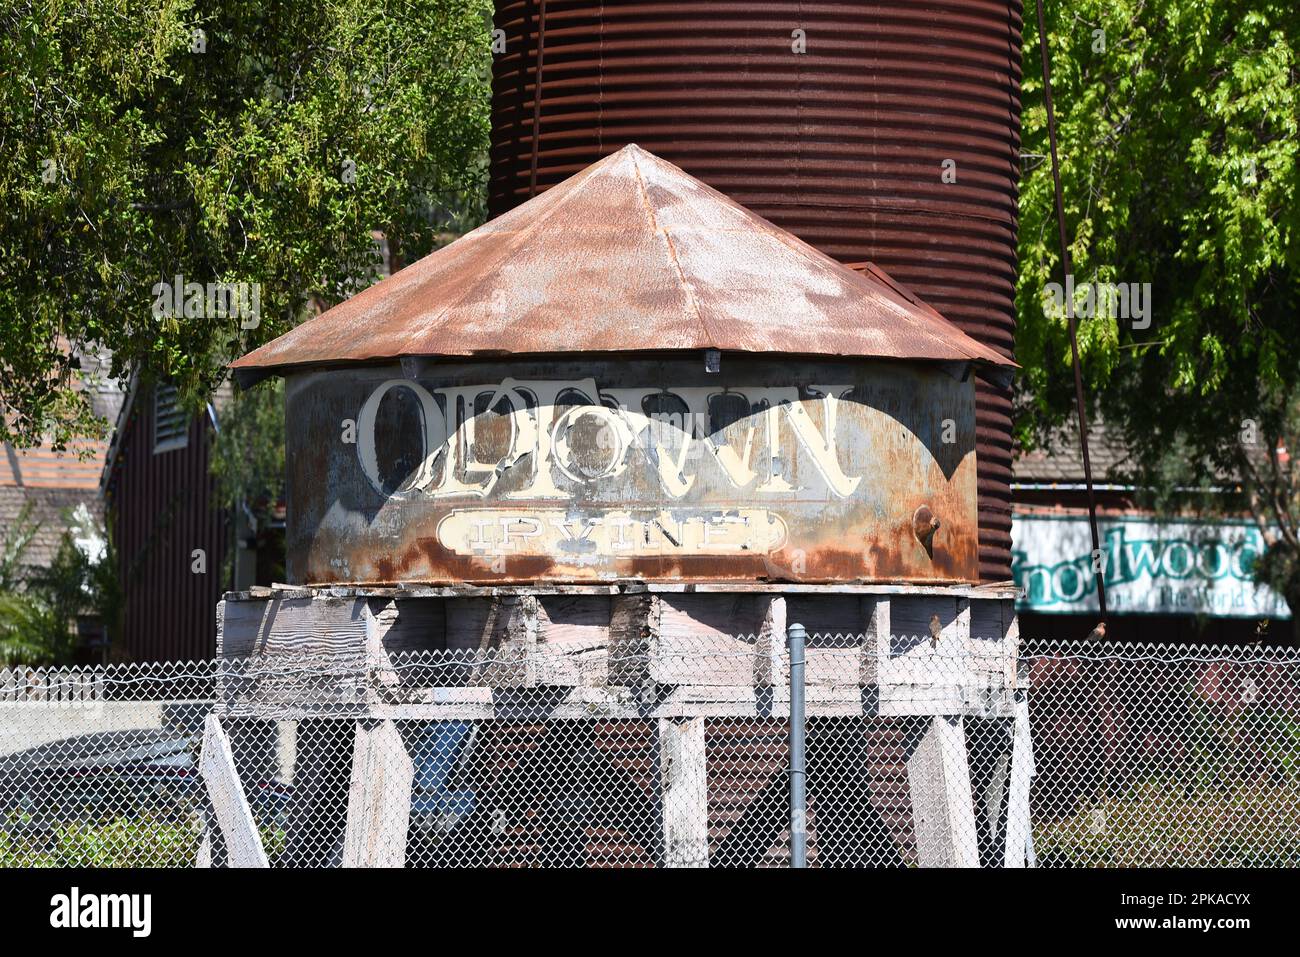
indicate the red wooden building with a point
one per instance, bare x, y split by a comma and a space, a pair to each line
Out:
171, 541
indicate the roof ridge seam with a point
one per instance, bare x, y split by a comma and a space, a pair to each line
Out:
672, 250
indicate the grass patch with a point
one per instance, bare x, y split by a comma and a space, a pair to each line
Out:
1160, 823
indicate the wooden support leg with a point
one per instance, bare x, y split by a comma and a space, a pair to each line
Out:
943, 812
684, 779
992, 800
379, 801
212, 846
229, 805
1020, 842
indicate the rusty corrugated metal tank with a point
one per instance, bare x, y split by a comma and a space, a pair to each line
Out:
843, 145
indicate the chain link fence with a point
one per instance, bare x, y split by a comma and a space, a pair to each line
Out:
1150, 755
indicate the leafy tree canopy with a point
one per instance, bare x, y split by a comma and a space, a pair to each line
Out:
261, 142
1178, 142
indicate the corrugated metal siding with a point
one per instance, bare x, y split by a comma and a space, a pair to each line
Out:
160, 508
842, 145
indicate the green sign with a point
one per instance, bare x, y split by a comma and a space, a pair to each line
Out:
1149, 566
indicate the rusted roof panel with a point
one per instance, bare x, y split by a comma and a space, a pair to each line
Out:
630, 254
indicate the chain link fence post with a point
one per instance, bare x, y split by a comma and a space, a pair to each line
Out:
795, 637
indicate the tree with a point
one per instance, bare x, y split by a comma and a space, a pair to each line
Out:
1178, 139
39, 607
248, 457
29, 632
257, 144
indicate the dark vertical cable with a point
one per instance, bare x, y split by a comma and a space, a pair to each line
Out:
1069, 312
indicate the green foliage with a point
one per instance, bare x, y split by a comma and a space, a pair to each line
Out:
1235, 748
1179, 168
267, 148
118, 842
1179, 165
39, 606
144, 840
1225, 795
1159, 825
29, 629
248, 454
29, 632
13, 546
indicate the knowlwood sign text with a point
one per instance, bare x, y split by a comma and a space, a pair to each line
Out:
517, 471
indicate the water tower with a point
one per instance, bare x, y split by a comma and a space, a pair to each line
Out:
593, 458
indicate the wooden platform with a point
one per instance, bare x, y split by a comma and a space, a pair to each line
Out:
668, 658
619, 651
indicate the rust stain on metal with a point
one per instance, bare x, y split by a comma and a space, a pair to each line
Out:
841, 145
613, 469
630, 254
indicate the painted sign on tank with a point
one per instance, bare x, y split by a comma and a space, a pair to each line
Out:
473, 471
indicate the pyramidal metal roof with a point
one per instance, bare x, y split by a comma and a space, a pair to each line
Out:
629, 254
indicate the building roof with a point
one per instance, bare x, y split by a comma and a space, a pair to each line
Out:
220, 400
50, 510
1061, 461
630, 254
76, 467
43, 487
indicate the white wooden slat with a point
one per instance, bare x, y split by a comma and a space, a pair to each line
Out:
1019, 846
685, 795
938, 776
379, 800
203, 859
233, 813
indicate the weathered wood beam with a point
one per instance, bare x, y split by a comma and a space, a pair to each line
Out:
299, 627
615, 702
875, 647
938, 777
379, 799
769, 650
229, 804
634, 628
642, 639
573, 639
502, 634
684, 793
1019, 849
395, 629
